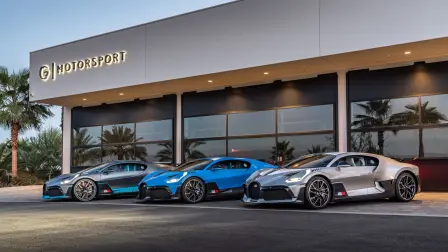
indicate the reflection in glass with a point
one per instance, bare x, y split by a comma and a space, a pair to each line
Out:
86, 136
380, 113
154, 131
305, 119
114, 134
435, 142
291, 147
213, 148
256, 148
402, 143
87, 156
205, 126
154, 152
252, 123
119, 152
434, 109
191, 150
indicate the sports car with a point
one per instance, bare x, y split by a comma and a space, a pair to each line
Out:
196, 180
319, 179
107, 179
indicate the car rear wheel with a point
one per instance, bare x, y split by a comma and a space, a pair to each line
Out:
318, 193
85, 190
193, 190
405, 187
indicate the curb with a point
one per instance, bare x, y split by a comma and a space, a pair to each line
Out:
20, 188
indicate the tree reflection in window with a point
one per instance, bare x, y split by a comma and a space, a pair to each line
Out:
283, 151
190, 151
113, 146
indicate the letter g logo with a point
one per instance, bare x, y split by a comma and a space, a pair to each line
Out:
44, 72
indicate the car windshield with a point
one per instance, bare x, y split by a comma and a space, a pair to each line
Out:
310, 161
95, 168
199, 164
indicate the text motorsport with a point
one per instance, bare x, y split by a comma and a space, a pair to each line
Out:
47, 72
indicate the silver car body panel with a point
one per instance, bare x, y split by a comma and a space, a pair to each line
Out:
347, 182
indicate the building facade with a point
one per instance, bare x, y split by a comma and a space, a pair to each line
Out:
270, 80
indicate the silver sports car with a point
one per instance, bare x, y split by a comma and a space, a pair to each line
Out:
316, 180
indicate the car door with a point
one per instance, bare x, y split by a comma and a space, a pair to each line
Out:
239, 172
220, 174
123, 178
354, 174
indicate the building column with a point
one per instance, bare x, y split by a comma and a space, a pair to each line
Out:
66, 140
342, 111
179, 121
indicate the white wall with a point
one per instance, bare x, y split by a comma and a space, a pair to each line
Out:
352, 25
239, 35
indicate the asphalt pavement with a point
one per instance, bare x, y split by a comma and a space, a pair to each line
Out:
120, 225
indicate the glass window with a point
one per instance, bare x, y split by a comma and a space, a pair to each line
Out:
403, 144
154, 131
305, 119
194, 149
86, 156
205, 126
252, 123
122, 133
291, 147
257, 148
435, 142
434, 109
86, 136
117, 152
162, 152
380, 113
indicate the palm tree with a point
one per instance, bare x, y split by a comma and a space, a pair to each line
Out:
115, 143
377, 113
283, 150
165, 154
17, 113
316, 149
362, 142
430, 115
190, 151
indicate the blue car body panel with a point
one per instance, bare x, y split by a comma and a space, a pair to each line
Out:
220, 179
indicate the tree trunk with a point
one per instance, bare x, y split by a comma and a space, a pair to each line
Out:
381, 142
421, 151
14, 140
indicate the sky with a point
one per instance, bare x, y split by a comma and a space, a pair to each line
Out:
30, 25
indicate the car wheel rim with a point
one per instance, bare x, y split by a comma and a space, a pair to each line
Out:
406, 187
85, 190
194, 190
319, 193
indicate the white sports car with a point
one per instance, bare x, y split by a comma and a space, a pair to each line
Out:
316, 180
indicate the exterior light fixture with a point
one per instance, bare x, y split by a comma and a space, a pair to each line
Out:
210, 81
84, 99
266, 73
121, 94
407, 52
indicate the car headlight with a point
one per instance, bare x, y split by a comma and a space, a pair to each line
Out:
259, 173
176, 179
69, 180
298, 176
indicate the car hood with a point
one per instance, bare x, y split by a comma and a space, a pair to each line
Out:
61, 178
279, 176
162, 176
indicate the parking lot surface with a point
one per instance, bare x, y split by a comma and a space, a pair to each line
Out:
28, 224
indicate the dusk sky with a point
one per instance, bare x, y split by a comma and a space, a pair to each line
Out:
33, 25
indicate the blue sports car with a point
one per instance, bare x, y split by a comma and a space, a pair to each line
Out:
195, 180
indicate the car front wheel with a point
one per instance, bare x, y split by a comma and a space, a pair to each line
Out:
193, 190
85, 190
318, 193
